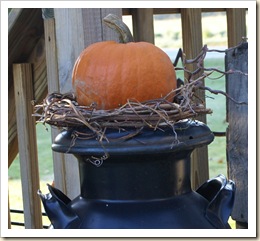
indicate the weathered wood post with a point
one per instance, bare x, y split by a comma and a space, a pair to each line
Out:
237, 114
237, 131
23, 87
143, 29
192, 44
236, 25
67, 34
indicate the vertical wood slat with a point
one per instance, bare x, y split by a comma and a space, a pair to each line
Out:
236, 25
192, 44
237, 132
27, 143
53, 85
143, 28
237, 118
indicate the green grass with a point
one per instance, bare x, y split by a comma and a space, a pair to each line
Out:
217, 120
44, 156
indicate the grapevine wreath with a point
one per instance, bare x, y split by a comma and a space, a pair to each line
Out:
127, 84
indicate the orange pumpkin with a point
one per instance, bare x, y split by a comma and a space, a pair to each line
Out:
109, 73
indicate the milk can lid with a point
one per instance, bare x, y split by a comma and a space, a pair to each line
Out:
183, 135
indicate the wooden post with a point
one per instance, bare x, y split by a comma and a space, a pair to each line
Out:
236, 25
27, 144
143, 29
192, 45
66, 35
237, 132
59, 166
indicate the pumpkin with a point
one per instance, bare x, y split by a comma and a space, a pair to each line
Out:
109, 73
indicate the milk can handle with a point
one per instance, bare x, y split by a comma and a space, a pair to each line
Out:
220, 193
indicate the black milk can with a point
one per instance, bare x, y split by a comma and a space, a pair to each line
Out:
139, 180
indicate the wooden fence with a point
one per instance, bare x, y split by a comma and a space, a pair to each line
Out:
57, 36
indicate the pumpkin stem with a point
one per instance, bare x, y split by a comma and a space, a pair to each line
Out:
116, 23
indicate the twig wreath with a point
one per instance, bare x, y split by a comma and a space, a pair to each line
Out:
63, 111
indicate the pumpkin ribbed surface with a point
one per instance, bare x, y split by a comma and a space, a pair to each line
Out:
109, 73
